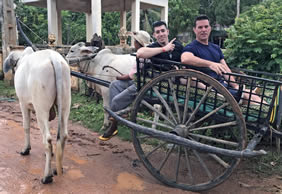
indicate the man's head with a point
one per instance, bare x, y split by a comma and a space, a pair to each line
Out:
161, 32
141, 38
202, 29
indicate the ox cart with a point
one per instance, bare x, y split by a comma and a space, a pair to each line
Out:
193, 137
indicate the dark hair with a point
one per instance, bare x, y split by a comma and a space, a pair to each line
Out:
140, 45
201, 17
159, 23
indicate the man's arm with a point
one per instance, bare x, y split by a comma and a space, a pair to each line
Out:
190, 59
228, 70
147, 52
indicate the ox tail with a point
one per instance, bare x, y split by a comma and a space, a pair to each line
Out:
59, 88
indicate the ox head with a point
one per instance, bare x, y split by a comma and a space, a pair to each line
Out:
79, 50
12, 60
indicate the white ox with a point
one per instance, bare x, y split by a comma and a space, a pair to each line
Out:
122, 63
42, 81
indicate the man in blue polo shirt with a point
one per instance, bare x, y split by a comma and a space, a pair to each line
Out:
208, 58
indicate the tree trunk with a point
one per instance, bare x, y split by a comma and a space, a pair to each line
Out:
238, 8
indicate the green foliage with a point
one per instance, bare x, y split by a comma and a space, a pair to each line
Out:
181, 16
223, 12
266, 165
255, 41
6, 90
73, 27
246, 5
35, 20
111, 26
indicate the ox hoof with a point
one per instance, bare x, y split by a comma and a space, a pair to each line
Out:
47, 180
25, 152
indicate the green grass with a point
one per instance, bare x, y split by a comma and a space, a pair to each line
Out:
266, 165
7, 91
91, 115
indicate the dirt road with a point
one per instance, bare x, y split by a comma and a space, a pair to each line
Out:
91, 166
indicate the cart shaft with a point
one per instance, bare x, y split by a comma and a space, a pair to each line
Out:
248, 152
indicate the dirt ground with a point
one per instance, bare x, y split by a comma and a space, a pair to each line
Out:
92, 166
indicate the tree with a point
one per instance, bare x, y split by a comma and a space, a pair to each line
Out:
224, 12
255, 39
34, 23
73, 27
181, 16
111, 27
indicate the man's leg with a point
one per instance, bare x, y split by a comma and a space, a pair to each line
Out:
119, 101
116, 87
123, 99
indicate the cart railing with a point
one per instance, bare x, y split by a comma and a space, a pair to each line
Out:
264, 85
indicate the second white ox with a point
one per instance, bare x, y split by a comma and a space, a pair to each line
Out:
42, 81
95, 68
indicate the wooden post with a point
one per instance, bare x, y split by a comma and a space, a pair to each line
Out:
9, 31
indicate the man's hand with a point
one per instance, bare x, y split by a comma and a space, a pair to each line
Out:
170, 46
218, 68
123, 77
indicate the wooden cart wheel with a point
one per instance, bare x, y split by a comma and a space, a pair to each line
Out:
210, 116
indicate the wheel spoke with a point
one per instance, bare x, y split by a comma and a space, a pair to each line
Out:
174, 99
178, 164
203, 164
166, 157
188, 85
165, 104
232, 123
154, 123
159, 113
155, 149
209, 114
215, 140
217, 159
199, 104
220, 161
188, 164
